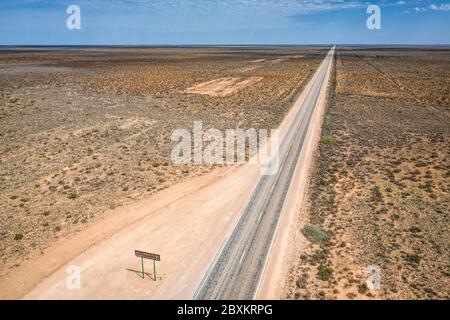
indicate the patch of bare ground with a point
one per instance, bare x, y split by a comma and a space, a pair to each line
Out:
84, 131
380, 189
224, 86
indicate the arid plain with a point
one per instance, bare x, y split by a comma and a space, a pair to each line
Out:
84, 131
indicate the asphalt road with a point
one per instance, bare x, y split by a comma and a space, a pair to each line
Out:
238, 267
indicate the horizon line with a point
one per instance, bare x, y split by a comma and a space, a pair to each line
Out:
225, 45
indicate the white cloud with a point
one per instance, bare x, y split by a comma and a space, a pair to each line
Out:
441, 7
433, 7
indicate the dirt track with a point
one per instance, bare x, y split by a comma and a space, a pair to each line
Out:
109, 268
181, 224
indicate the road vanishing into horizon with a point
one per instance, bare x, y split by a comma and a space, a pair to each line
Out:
237, 270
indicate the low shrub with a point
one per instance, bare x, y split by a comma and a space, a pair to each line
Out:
315, 234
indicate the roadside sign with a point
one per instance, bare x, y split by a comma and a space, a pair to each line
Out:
147, 255
150, 256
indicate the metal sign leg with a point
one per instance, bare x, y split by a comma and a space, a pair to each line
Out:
154, 270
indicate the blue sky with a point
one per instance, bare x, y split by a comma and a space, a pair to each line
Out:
153, 22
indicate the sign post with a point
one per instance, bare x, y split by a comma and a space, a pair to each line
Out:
150, 256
